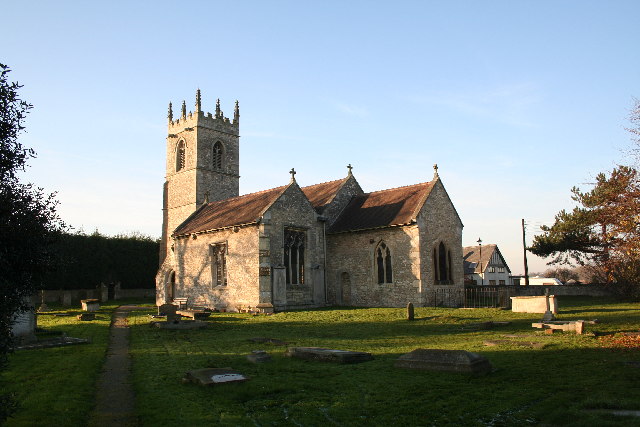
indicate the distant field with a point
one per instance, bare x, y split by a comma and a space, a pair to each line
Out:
574, 380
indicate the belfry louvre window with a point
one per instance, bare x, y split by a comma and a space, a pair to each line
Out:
180, 156
383, 264
217, 155
294, 242
219, 264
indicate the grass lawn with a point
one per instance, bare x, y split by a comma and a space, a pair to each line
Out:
56, 386
574, 380
569, 382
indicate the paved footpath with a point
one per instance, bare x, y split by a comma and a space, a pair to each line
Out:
115, 399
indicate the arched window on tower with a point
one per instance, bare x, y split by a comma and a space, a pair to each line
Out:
180, 156
217, 155
383, 263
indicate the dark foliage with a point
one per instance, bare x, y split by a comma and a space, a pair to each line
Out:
28, 221
86, 261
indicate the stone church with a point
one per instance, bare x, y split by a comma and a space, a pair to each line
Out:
293, 247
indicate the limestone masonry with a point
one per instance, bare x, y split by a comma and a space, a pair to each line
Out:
295, 247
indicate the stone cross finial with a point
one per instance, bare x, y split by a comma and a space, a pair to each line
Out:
206, 197
170, 115
435, 171
349, 167
293, 174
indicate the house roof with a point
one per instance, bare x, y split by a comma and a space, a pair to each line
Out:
246, 209
386, 208
472, 260
320, 195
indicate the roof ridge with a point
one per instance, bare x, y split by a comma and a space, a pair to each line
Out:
249, 194
326, 182
402, 186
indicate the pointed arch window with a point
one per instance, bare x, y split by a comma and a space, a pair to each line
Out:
217, 152
442, 267
294, 242
180, 156
383, 263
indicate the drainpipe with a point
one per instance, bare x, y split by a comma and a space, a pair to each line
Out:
324, 242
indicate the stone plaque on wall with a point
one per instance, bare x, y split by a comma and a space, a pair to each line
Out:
265, 271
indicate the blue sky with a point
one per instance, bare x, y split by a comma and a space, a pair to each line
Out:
516, 101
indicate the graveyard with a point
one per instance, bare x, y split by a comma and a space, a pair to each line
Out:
536, 376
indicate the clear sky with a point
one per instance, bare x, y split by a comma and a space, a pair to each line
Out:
516, 101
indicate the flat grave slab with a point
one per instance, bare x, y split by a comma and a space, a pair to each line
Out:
328, 355
444, 360
180, 324
213, 376
52, 342
194, 314
576, 326
528, 344
258, 356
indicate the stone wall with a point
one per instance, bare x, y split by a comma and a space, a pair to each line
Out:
194, 277
349, 189
352, 272
293, 210
438, 222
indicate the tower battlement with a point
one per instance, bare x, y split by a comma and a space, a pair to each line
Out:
215, 121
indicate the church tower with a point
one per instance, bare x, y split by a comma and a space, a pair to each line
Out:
202, 165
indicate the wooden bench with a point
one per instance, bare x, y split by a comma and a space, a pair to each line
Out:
181, 302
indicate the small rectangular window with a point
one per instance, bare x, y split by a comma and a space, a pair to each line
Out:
502, 282
492, 282
500, 269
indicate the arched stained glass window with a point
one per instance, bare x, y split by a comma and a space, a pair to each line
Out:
383, 263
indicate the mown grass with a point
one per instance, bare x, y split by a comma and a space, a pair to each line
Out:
56, 386
569, 382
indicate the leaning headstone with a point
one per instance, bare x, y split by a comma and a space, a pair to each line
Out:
444, 360
410, 312
213, 376
258, 356
328, 355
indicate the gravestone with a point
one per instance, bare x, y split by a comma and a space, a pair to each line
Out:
24, 324
66, 298
258, 356
213, 376
527, 344
90, 304
104, 292
410, 311
444, 360
328, 355
180, 324
166, 309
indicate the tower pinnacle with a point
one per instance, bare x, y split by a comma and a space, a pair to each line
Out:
198, 103
184, 110
236, 114
218, 113
170, 115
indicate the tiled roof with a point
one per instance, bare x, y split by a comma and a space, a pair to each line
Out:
239, 210
397, 206
322, 194
471, 256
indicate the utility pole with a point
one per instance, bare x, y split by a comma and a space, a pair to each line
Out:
524, 249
